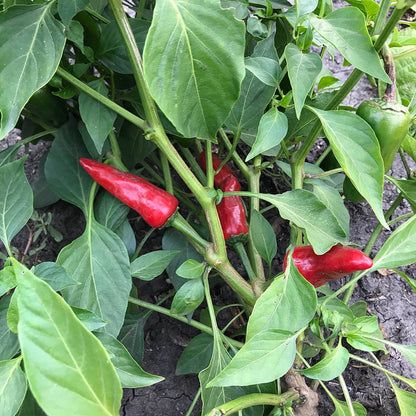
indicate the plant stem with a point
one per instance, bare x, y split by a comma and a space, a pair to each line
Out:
346, 394
137, 121
166, 173
255, 399
184, 319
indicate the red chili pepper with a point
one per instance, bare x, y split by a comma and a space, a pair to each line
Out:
231, 209
334, 264
222, 175
155, 205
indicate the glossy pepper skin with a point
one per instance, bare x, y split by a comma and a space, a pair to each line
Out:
390, 122
334, 264
155, 205
231, 209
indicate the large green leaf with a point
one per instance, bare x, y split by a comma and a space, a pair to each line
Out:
9, 344
130, 373
194, 63
272, 351
64, 174
288, 295
303, 70
358, 152
31, 46
399, 249
68, 370
263, 236
99, 262
150, 265
307, 211
346, 30
16, 200
13, 387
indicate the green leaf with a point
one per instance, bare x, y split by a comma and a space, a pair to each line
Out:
342, 409
406, 400
272, 130
335, 313
99, 262
54, 275
346, 30
13, 387
399, 249
288, 295
32, 42
408, 352
111, 50
30, 407
263, 236
67, 9
331, 366
191, 269
215, 396
42, 194
364, 334
130, 373
175, 240
126, 233
189, 296
303, 208
201, 68
9, 344
255, 95
64, 174
358, 152
196, 355
267, 70
98, 118
153, 264
303, 70
61, 355
89, 319
411, 282
271, 350
16, 200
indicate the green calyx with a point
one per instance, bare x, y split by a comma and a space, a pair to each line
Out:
390, 122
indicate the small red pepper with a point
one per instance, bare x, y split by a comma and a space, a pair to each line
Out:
334, 264
155, 205
231, 209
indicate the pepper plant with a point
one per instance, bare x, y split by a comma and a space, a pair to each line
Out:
178, 109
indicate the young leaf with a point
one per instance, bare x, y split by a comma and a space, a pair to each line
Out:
150, 265
61, 355
191, 269
130, 373
7, 280
196, 355
271, 350
288, 295
321, 225
98, 118
263, 236
201, 67
408, 352
303, 70
189, 296
408, 188
89, 319
358, 152
272, 130
406, 400
331, 366
28, 67
267, 70
342, 409
346, 30
99, 262
67, 9
16, 200
13, 386
399, 249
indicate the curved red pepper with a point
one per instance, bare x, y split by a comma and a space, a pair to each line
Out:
231, 209
155, 205
334, 264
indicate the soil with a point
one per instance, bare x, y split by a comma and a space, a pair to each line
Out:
389, 297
